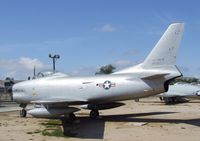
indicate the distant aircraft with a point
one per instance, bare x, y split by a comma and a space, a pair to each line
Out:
179, 91
57, 94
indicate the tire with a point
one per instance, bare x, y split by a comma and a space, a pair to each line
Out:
94, 114
23, 113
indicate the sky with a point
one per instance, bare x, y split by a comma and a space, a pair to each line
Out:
88, 34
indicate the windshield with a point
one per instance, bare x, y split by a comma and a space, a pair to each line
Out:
49, 74
45, 74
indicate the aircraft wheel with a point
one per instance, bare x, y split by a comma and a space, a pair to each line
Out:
23, 113
167, 100
94, 114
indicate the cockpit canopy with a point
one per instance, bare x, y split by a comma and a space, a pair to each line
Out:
49, 74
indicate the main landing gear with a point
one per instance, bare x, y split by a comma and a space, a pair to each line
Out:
23, 112
69, 118
72, 117
94, 114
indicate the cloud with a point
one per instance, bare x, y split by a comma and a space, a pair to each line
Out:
108, 28
20, 68
28, 63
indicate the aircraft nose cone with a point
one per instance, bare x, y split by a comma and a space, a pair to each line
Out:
17, 93
16, 97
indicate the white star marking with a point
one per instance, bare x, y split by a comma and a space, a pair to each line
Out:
107, 85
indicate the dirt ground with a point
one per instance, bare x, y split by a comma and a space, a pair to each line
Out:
148, 119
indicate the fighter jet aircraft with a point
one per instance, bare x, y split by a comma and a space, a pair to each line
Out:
179, 91
57, 94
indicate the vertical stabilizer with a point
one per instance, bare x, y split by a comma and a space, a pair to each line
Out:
165, 51
163, 55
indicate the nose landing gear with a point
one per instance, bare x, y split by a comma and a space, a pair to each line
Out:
23, 112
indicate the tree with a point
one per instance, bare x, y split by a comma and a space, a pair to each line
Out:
9, 79
107, 69
187, 80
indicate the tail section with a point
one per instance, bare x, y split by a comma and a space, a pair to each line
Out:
165, 51
163, 55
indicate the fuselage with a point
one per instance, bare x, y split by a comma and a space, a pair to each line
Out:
56, 93
98, 89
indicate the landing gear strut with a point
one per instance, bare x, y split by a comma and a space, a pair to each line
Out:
23, 113
72, 117
94, 114
69, 118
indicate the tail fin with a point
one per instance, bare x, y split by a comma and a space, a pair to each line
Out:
165, 51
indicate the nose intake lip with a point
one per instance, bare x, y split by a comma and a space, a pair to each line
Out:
17, 97
18, 94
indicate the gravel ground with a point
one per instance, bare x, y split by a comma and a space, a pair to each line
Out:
148, 119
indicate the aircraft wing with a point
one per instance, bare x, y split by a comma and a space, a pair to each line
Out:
59, 101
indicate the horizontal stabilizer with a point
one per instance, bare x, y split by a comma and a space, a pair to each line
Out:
155, 76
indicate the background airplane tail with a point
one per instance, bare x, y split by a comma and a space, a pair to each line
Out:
165, 51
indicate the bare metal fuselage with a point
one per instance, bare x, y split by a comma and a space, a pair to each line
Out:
87, 89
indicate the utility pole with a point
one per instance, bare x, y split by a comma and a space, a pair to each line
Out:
54, 58
34, 73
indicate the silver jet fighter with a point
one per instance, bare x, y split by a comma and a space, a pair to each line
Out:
57, 94
179, 91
